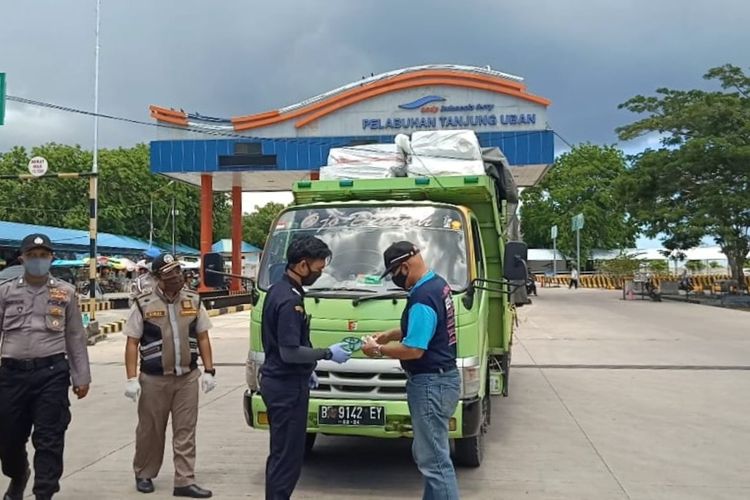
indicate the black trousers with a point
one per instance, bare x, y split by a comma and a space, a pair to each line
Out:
34, 397
286, 400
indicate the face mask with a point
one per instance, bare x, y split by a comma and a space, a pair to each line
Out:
311, 278
173, 284
37, 267
400, 280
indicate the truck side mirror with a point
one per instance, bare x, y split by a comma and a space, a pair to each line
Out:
514, 261
213, 262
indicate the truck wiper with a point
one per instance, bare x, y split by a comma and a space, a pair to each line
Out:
392, 293
313, 291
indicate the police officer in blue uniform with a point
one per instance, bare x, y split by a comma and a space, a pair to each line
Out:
426, 345
287, 373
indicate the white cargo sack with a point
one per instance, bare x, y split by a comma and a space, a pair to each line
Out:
369, 161
457, 144
333, 172
368, 154
423, 166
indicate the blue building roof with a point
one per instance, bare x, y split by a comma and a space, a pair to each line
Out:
225, 246
74, 240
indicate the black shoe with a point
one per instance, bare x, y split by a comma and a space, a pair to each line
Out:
17, 487
192, 491
144, 485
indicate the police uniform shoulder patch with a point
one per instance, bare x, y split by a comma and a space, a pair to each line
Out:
5, 282
64, 284
59, 294
299, 309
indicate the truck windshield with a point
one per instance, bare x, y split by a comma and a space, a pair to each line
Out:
358, 235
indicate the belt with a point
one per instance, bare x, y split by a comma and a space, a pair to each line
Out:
432, 371
31, 364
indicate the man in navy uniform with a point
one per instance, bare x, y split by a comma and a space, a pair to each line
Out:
426, 345
287, 373
43, 347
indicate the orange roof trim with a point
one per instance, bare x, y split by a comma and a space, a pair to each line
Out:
451, 82
317, 110
168, 115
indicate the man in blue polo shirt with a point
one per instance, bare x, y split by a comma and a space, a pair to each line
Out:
426, 346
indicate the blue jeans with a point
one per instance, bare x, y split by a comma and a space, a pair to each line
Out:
433, 398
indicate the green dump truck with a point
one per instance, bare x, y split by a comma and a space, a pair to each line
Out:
459, 224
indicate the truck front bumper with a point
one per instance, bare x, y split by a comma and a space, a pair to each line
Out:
465, 421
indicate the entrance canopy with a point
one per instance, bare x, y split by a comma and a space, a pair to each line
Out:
271, 150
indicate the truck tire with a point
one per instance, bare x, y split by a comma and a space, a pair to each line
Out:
469, 451
310, 442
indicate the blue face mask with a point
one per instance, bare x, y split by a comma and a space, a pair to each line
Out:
37, 267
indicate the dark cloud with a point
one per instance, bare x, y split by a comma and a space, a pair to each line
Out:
226, 58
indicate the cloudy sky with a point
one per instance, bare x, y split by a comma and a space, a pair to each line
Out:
226, 58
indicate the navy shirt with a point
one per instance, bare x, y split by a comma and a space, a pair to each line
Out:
429, 323
285, 323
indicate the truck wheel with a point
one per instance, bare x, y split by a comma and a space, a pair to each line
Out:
469, 451
310, 442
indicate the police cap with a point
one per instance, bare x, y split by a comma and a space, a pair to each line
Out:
36, 240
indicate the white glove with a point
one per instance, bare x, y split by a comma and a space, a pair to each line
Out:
133, 389
208, 383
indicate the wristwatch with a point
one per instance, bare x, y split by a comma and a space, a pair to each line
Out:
328, 355
211, 372
378, 352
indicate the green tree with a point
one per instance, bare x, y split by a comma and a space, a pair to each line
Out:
581, 181
127, 191
698, 183
695, 266
624, 265
257, 225
658, 266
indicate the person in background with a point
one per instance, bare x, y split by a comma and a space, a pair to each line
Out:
573, 279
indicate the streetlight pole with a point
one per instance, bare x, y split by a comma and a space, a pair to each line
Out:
93, 180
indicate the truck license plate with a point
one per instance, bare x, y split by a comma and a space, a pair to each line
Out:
351, 415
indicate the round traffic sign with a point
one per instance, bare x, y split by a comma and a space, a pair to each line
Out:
38, 166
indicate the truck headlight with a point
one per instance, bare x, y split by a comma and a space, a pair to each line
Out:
470, 381
252, 374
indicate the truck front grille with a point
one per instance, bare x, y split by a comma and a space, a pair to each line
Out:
360, 385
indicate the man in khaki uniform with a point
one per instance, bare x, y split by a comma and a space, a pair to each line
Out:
43, 347
168, 329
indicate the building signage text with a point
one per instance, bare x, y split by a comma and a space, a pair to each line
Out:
435, 115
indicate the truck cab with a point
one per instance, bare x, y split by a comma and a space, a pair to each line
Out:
458, 224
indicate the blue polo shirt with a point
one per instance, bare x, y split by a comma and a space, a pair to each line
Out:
429, 323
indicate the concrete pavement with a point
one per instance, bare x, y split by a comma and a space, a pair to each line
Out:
609, 400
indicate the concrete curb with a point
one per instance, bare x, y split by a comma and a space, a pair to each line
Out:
106, 329
100, 306
229, 310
